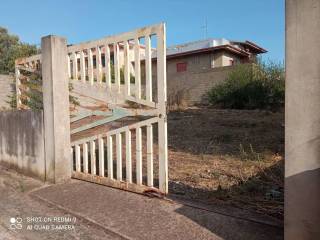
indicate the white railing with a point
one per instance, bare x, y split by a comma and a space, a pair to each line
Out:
80, 60
128, 52
103, 159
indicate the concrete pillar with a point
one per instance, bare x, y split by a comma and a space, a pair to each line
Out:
302, 157
56, 108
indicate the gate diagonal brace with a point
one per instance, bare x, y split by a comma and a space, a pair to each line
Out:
115, 114
85, 114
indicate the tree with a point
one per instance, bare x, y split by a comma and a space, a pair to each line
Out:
12, 48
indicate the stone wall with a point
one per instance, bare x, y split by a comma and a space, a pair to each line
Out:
22, 141
6, 87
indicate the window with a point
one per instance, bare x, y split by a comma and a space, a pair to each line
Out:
231, 62
181, 67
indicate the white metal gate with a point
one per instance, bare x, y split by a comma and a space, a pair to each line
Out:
117, 157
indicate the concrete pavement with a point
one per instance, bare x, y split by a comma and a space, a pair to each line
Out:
105, 213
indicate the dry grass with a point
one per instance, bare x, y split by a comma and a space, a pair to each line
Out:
228, 157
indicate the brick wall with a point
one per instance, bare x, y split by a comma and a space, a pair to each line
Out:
190, 87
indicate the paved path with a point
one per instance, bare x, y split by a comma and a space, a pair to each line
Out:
106, 213
16, 202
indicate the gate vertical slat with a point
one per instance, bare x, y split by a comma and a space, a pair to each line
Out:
77, 149
139, 155
101, 157
75, 66
107, 66
71, 155
18, 83
148, 69
90, 66
85, 157
93, 157
128, 157
68, 63
82, 67
119, 156
110, 157
116, 65
126, 69
163, 156
98, 64
150, 155
137, 72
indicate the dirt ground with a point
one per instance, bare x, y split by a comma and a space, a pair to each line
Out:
220, 157
228, 157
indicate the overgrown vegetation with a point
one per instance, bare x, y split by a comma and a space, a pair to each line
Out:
31, 92
12, 48
251, 86
12, 99
32, 95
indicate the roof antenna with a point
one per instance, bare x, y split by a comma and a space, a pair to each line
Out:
205, 27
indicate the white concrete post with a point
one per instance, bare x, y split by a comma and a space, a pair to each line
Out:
56, 108
302, 157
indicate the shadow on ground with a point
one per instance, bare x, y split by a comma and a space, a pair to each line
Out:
239, 231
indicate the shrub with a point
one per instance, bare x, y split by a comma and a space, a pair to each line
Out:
251, 86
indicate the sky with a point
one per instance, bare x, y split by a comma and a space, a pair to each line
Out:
260, 21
